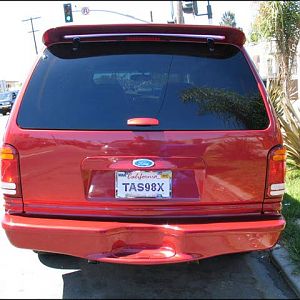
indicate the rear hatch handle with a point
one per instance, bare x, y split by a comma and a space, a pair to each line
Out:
142, 121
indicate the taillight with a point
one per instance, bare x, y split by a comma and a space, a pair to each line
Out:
276, 172
10, 179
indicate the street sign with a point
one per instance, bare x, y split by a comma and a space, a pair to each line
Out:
85, 10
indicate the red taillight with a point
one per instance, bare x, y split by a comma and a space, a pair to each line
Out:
276, 172
10, 179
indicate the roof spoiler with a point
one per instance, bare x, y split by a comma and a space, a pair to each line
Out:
143, 32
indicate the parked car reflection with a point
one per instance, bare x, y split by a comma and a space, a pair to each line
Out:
5, 102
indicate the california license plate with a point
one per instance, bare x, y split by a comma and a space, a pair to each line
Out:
143, 184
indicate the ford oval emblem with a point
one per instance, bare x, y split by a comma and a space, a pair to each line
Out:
143, 163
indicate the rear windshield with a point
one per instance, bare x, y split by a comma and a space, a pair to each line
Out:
185, 86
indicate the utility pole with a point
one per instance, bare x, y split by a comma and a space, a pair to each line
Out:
179, 19
209, 13
172, 10
33, 31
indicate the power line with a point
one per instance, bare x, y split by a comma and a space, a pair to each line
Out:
117, 13
33, 31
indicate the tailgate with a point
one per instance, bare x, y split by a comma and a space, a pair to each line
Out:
63, 176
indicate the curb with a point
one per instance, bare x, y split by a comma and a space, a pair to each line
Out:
281, 259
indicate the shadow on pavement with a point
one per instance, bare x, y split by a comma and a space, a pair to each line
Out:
60, 261
218, 277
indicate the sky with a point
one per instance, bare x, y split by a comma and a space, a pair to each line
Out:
17, 48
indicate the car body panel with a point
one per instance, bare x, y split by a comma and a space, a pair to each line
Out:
61, 34
141, 243
67, 163
69, 189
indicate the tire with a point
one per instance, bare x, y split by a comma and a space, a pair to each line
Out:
4, 113
42, 252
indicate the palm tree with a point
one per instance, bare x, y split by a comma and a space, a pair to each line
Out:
280, 21
228, 19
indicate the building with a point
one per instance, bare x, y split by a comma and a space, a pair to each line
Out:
9, 85
263, 56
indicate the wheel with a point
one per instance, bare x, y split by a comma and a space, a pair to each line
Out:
4, 113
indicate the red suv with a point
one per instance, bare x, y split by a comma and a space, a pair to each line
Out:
143, 144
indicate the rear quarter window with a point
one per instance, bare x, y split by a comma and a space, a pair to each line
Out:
183, 85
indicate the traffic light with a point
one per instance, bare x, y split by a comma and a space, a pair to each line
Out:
68, 13
190, 7
209, 11
187, 7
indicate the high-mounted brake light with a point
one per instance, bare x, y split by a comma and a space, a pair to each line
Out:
276, 172
10, 172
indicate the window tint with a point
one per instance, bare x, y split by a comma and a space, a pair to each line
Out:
184, 85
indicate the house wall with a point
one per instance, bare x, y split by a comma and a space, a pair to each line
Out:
263, 56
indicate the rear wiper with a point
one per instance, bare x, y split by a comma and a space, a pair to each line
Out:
211, 44
76, 43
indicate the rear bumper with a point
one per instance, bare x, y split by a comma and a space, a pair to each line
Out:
140, 243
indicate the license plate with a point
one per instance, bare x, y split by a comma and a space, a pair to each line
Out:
143, 184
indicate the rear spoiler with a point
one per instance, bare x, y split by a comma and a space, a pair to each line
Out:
143, 32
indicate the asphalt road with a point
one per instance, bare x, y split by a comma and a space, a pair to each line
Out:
24, 275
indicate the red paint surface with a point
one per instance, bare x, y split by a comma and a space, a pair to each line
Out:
215, 173
58, 167
56, 35
141, 243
